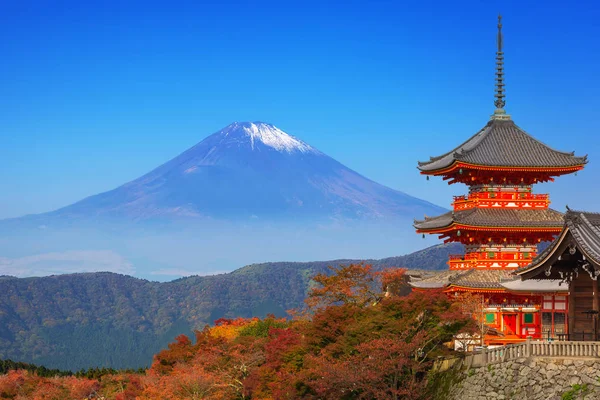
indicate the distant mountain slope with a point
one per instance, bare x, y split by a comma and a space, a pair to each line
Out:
104, 319
248, 171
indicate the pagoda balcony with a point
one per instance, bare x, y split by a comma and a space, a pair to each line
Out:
512, 307
500, 199
487, 260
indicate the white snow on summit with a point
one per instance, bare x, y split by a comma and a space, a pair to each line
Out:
274, 137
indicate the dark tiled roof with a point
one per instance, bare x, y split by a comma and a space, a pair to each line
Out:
481, 278
488, 279
495, 217
536, 285
471, 278
584, 228
502, 143
439, 280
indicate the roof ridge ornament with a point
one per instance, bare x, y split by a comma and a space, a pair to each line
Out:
500, 102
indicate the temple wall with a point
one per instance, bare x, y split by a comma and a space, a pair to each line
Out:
528, 378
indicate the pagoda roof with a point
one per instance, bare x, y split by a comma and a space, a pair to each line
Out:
481, 279
437, 281
488, 279
581, 230
471, 278
494, 217
501, 143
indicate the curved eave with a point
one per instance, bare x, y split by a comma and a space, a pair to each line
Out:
455, 226
435, 286
558, 244
532, 286
586, 234
558, 247
476, 289
457, 164
423, 289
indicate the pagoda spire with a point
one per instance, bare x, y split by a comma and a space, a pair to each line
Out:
500, 102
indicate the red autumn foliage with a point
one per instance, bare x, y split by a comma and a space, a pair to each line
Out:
394, 281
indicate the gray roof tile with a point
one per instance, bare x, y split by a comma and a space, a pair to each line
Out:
494, 217
503, 143
481, 278
471, 278
488, 279
439, 280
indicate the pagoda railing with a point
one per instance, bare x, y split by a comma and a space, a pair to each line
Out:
473, 260
501, 196
519, 306
462, 261
500, 199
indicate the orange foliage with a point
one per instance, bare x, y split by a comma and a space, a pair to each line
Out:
351, 284
393, 281
230, 328
12, 382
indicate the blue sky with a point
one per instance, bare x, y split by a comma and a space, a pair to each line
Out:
95, 95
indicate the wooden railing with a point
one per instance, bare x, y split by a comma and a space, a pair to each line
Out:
493, 199
481, 259
501, 196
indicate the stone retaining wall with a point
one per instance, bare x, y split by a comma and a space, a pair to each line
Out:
530, 379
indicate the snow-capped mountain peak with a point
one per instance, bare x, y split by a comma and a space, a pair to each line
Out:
270, 136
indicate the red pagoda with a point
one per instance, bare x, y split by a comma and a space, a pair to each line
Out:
501, 221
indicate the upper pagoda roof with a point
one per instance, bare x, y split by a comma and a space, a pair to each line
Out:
494, 217
501, 143
581, 231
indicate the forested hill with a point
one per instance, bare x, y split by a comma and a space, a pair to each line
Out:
108, 320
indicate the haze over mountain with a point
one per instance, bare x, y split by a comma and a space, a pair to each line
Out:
249, 187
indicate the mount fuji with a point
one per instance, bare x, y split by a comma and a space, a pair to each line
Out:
250, 186
251, 170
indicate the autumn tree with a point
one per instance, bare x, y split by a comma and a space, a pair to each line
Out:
284, 359
352, 284
471, 305
397, 339
394, 282
381, 368
178, 352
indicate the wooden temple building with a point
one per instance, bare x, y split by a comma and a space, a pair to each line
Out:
501, 221
574, 260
